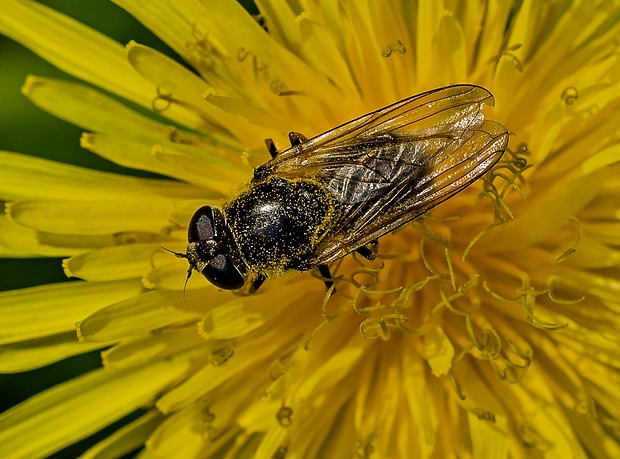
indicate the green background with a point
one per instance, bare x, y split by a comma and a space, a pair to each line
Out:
26, 129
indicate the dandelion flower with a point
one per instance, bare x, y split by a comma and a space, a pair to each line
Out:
486, 329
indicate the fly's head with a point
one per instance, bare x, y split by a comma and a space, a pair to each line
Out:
210, 250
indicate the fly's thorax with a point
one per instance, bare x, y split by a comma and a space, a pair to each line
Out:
277, 223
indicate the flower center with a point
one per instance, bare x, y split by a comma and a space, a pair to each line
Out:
430, 283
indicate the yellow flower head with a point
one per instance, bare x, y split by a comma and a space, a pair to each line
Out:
487, 328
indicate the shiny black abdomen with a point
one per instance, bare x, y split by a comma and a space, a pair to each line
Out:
278, 222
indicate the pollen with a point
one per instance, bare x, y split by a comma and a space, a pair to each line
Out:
486, 324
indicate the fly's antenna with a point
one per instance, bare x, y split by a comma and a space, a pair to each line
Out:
176, 254
189, 274
189, 271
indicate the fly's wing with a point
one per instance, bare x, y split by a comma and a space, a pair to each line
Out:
390, 166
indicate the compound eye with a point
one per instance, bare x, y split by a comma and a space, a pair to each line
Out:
222, 272
205, 225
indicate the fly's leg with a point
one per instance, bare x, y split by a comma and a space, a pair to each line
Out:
369, 251
296, 138
324, 270
256, 283
271, 147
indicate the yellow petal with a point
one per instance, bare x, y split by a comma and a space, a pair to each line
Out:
505, 85
330, 372
546, 214
74, 48
423, 411
364, 53
544, 135
494, 27
212, 173
524, 28
18, 241
82, 406
208, 378
178, 83
167, 343
163, 19
127, 439
170, 275
428, 14
281, 19
170, 76
190, 432
103, 217
608, 232
50, 309
91, 109
36, 353
450, 55
247, 112
231, 359
321, 51
271, 442
136, 316
486, 438
63, 181
240, 316
246, 61
112, 263
84, 53
438, 351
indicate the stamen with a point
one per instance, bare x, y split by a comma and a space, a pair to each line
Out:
570, 95
532, 439
261, 21
374, 328
327, 317
284, 416
484, 415
374, 278
397, 47
280, 452
528, 295
162, 101
517, 165
364, 448
368, 291
573, 248
281, 365
447, 302
459, 392
204, 54
450, 268
508, 53
427, 264
487, 343
221, 355
279, 88
552, 284
208, 418
476, 238
366, 264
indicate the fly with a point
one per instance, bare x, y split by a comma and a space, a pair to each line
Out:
340, 191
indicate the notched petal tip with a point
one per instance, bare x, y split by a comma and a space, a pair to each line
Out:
30, 84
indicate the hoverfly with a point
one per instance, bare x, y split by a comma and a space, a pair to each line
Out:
340, 191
